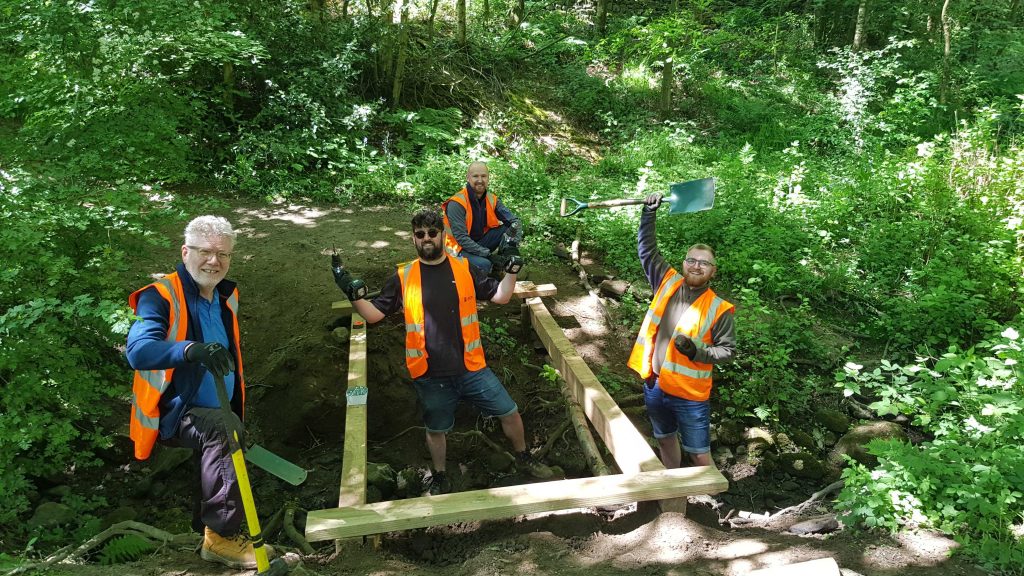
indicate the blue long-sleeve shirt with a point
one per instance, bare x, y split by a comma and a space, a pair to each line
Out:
723, 335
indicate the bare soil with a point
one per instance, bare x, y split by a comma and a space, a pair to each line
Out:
296, 368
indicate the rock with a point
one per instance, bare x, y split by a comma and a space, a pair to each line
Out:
789, 486
560, 251
853, 443
373, 494
722, 455
50, 514
613, 288
382, 477
820, 525
340, 334
784, 444
497, 461
730, 433
803, 440
802, 465
408, 483
599, 275
758, 440
122, 514
833, 420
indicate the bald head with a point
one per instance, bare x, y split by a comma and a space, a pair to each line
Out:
478, 178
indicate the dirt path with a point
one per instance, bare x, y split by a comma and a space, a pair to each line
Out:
296, 370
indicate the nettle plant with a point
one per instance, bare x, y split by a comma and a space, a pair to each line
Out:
967, 478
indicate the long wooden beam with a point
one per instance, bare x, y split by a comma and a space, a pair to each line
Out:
353, 462
510, 501
630, 449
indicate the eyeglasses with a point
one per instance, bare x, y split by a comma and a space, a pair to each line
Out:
420, 234
206, 254
694, 262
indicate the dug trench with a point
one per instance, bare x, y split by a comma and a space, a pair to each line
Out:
296, 362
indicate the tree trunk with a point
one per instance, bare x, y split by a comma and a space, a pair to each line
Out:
403, 50
666, 86
430, 19
858, 33
602, 17
487, 12
518, 13
460, 15
946, 49
229, 88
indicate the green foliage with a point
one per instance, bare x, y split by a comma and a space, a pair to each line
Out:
966, 478
61, 314
126, 548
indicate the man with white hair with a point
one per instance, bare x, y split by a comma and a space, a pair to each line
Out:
186, 339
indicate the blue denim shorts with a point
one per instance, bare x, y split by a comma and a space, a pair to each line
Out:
669, 415
440, 397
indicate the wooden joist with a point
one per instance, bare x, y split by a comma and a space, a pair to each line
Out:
510, 501
526, 289
353, 463
624, 441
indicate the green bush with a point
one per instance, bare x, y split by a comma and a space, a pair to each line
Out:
966, 478
62, 317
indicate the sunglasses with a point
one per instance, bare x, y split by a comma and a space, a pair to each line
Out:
420, 234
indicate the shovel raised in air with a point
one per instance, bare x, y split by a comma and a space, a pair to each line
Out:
682, 197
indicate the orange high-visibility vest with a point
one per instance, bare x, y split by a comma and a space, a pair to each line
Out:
462, 198
415, 334
148, 385
679, 375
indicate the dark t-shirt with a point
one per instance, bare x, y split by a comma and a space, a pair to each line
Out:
443, 327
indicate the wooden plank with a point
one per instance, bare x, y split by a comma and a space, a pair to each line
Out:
630, 449
353, 463
526, 289
510, 501
341, 305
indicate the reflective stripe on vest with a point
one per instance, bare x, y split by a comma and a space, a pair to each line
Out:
462, 199
149, 385
679, 375
415, 333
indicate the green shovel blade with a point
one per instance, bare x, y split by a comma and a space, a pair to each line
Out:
267, 460
692, 196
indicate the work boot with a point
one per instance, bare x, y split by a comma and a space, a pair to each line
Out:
526, 462
236, 552
439, 484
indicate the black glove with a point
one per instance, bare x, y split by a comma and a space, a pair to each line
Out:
686, 346
215, 357
514, 264
498, 261
510, 250
653, 201
354, 288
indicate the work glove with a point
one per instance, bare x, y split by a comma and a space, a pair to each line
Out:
498, 261
514, 264
216, 358
653, 201
510, 250
354, 288
686, 346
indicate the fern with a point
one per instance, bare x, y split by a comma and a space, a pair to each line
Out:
127, 548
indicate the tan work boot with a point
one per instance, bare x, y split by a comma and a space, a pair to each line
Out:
236, 552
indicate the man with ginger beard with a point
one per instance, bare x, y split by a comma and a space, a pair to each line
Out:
676, 362
443, 350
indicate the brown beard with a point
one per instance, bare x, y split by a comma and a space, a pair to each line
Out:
434, 250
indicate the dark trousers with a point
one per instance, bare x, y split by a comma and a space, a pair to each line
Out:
218, 500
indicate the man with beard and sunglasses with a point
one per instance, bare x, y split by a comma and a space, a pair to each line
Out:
676, 363
443, 349
478, 226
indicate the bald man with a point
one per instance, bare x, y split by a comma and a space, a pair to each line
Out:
478, 226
